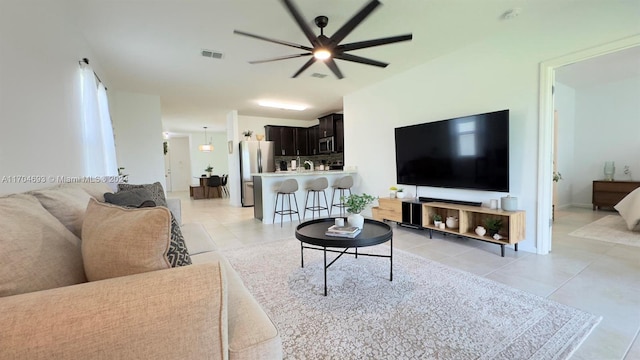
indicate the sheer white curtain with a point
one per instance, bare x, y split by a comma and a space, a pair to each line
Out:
99, 146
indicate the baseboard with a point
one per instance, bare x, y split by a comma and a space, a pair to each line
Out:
449, 201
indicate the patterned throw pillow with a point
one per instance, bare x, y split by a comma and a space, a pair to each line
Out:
156, 190
178, 254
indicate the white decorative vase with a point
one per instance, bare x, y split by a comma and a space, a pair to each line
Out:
392, 194
400, 194
355, 220
481, 231
452, 222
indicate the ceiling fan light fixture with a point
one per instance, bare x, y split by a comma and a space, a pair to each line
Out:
277, 105
322, 54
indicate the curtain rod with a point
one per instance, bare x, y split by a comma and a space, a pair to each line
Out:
86, 61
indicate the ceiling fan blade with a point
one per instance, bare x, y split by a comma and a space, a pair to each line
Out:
361, 60
353, 22
375, 42
286, 43
279, 58
302, 23
304, 67
334, 67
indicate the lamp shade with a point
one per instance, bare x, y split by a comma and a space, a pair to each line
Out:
205, 148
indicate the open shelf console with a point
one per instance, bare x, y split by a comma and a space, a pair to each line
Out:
469, 217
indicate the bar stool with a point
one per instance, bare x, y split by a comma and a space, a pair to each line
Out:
315, 187
342, 184
288, 187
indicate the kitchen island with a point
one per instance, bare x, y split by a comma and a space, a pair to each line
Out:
266, 184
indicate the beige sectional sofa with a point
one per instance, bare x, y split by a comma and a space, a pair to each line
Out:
48, 310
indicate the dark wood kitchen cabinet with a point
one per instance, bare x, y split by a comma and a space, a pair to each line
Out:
287, 140
327, 125
312, 136
339, 135
301, 141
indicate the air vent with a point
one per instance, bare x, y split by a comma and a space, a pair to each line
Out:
211, 54
318, 75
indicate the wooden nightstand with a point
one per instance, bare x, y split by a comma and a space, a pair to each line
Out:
609, 193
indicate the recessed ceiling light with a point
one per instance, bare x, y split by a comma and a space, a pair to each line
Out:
278, 105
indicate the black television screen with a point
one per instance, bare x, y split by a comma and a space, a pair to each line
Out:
470, 152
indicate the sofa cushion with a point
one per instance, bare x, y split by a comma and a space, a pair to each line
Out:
118, 241
252, 334
197, 238
37, 251
157, 192
66, 203
178, 253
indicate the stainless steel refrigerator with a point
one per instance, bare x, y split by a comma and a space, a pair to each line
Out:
255, 157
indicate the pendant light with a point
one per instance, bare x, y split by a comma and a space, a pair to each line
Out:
206, 147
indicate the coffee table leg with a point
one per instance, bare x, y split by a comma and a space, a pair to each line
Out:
356, 252
325, 271
301, 255
391, 260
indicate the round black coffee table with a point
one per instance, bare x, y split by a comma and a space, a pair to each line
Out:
313, 233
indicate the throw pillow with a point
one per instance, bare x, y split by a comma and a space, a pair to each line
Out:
119, 241
629, 209
178, 254
37, 251
157, 192
66, 203
132, 198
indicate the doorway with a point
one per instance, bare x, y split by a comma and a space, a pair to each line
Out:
178, 164
546, 132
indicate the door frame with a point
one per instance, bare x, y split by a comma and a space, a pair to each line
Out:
545, 131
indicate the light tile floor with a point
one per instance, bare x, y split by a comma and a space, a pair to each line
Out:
598, 277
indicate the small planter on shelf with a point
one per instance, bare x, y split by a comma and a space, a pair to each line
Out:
493, 225
437, 220
400, 194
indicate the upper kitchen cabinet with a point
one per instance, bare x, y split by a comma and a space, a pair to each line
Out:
327, 125
301, 141
287, 140
339, 135
313, 140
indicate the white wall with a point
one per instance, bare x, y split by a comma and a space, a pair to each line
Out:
498, 73
39, 94
138, 131
607, 129
565, 103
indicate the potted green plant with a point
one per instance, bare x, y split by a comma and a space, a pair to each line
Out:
437, 220
247, 134
557, 176
400, 194
208, 170
392, 191
493, 225
354, 204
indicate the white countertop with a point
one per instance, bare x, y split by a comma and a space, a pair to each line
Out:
304, 173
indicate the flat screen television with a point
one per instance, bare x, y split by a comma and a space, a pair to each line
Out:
470, 152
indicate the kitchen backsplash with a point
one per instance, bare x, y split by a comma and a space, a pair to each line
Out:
330, 159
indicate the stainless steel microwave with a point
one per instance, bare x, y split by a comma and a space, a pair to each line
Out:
326, 145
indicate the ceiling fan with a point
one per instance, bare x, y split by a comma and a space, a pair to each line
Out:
327, 49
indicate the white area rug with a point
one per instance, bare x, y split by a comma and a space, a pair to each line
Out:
428, 311
611, 228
